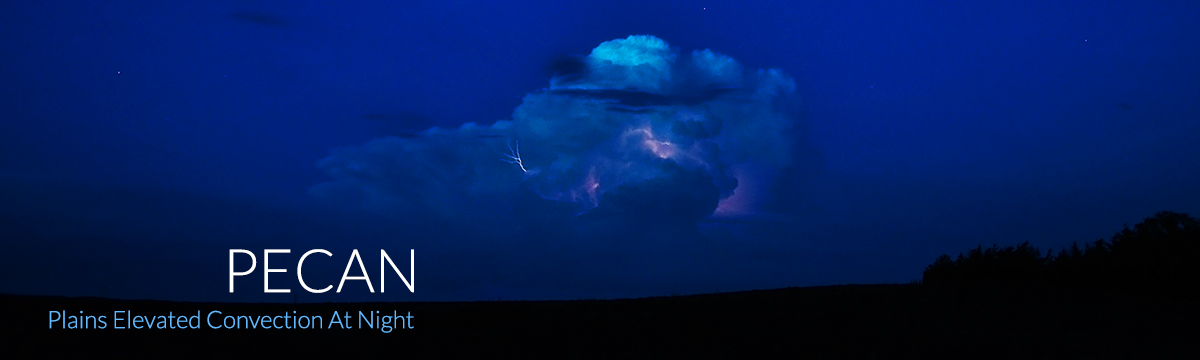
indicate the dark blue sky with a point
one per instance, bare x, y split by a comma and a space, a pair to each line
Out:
141, 140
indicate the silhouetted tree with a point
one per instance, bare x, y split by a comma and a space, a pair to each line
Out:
995, 265
1161, 254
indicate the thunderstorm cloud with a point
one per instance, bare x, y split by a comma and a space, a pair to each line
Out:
639, 132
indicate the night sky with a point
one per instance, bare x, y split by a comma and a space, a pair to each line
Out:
814, 144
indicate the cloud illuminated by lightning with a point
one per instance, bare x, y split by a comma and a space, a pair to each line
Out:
642, 120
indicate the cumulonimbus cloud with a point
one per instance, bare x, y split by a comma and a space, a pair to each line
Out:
641, 131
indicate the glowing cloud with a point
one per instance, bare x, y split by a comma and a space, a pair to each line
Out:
640, 129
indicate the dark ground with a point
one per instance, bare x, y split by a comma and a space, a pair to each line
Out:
860, 321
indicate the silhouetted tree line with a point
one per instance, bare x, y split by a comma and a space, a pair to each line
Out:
1161, 254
